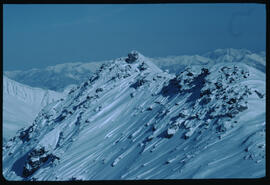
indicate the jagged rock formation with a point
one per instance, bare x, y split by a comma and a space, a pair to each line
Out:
131, 120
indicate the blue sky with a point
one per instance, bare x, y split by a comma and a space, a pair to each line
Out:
36, 36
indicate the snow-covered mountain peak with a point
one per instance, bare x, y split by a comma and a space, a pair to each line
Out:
133, 56
230, 52
59, 76
237, 55
66, 66
28, 94
131, 120
121, 68
227, 55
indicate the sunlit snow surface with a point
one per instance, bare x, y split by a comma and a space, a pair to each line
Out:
21, 105
131, 120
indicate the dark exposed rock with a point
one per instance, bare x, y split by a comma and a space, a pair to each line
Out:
132, 57
205, 92
232, 100
99, 90
138, 83
259, 94
36, 158
142, 67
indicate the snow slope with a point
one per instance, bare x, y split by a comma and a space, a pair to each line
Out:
59, 76
21, 105
131, 120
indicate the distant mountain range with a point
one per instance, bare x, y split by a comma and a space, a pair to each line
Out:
57, 77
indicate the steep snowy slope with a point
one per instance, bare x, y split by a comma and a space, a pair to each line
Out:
59, 76
131, 120
21, 105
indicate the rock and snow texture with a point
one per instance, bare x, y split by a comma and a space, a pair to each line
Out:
21, 104
131, 120
59, 76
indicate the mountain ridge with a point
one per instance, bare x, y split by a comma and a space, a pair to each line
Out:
131, 120
74, 73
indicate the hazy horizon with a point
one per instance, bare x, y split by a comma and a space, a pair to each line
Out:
36, 36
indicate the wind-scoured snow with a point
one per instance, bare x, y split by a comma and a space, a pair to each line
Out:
131, 120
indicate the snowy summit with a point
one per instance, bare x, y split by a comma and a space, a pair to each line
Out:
132, 120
